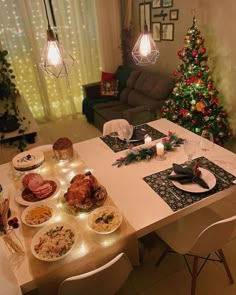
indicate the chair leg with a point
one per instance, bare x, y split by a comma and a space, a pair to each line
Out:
194, 275
163, 255
222, 256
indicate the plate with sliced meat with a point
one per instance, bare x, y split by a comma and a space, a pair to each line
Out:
84, 194
37, 189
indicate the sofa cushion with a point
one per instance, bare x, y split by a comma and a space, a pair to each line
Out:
122, 74
111, 113
109, 88
137, 98
132, 79
154, 85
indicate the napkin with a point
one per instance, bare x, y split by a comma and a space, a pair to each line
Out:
186, 175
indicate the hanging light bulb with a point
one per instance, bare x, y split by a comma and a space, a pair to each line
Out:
145, 51
55, 60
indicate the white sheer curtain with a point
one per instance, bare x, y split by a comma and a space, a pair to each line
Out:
109, 32
23, 33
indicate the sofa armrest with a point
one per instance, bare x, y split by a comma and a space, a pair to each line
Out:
139, 115
91, 90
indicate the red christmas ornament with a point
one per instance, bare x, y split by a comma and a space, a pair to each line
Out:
191, 38
224, 114
199, 94
199, 73
179, 53
175, 73
194, 53
209, 112
203, 50
188, 83
229, 134
217, 139
220, 126
193, 122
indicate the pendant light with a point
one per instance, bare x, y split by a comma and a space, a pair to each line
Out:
145, 51
55, 60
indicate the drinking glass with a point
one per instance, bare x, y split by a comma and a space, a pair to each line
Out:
126, 133
207, 140
190, 149
115, 135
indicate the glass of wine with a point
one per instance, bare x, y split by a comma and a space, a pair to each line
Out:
207, 140
190, 149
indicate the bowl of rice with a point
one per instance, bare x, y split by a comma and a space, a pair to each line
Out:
37, 215
54, 242
105, 219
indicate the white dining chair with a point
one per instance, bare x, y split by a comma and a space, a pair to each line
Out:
114, 126
42, 148
105, 280
8, 282
199, 235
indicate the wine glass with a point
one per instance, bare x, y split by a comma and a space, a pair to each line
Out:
115, 135
126, 133
190, 149
207, 140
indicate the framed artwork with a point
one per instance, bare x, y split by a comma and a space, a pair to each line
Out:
147, 11
167, 3
156, 31
167, 32
156, 3
174, 14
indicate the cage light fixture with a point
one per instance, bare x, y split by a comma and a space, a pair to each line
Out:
145, 51
56, 61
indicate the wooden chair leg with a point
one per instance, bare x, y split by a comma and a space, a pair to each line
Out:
222, 256
194, 275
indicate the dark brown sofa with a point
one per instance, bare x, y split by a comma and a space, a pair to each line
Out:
140, 99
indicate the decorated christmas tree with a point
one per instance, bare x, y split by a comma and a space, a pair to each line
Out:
194, 102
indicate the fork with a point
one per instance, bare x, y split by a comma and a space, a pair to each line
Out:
169, 189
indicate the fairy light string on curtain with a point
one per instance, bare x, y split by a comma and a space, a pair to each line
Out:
145, 51
57, 61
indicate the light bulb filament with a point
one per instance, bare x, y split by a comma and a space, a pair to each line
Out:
53, 56
145, 46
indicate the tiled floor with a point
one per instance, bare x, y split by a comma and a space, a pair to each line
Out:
172, 276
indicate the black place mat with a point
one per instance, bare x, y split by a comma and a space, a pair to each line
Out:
169, 193
118, 145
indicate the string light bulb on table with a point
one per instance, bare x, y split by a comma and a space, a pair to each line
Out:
145, 51
56, 61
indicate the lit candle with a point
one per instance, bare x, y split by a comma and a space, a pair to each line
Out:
147, 139
160, 149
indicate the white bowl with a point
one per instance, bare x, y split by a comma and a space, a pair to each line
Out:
34, 206
102, 224
40, 236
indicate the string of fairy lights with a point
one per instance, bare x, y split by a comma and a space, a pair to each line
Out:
23, 34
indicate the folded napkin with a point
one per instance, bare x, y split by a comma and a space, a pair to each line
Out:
186, 175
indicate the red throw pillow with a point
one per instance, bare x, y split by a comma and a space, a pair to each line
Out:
107, 76
109, 88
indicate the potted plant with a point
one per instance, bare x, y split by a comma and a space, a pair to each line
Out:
10, 119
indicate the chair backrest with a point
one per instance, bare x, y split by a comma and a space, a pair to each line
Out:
114, 126
8, 281
105, 280
214, 237
42, 148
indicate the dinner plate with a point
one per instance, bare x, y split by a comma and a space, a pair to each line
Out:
20, 200
208, 177
137, 136
105, 220
54, 241
37, 215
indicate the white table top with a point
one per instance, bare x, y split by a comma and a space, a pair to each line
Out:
143, 208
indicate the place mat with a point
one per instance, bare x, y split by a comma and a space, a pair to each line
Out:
177, 198
118, 145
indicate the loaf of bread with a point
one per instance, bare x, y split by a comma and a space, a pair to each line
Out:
63, 149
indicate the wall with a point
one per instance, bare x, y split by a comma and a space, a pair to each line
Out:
216, 21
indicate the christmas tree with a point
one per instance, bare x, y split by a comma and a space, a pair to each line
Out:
194, 102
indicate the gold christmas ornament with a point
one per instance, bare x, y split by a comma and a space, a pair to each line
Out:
200, 106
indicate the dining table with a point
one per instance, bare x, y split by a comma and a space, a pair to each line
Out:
140, 190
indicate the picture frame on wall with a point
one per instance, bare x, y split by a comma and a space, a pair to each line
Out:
167, 32
174, 14
156, 31
167, 3
156, 3
147, 7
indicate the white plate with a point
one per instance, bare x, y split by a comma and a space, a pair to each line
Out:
103, 228
36, 240
20, 200
33, 206
208, 177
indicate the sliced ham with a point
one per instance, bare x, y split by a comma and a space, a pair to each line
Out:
35, 182
43, 191
28, 177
